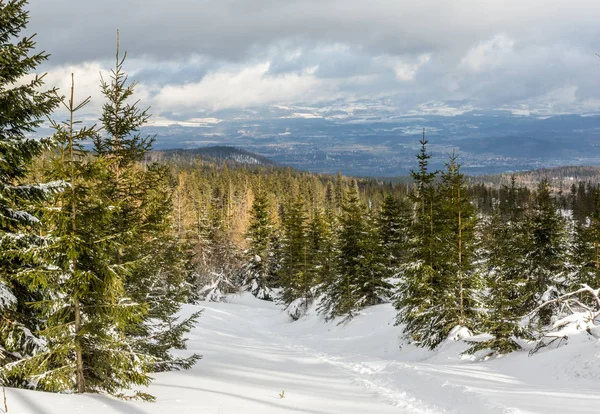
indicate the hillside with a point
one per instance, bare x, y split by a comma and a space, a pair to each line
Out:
370, 137
211, 154
560, 177
253, 352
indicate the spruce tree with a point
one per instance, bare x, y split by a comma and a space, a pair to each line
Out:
373, 284
160, 278
421, 277
340, 295
141, 207
259, 253
121, 120
339, 194
294, 274
459, 278
321, 246
217, 258
86, 309
23, 107
586, 249
504, 251
360, 279
393, 221
545, 263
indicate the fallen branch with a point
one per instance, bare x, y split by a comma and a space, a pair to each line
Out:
567, 299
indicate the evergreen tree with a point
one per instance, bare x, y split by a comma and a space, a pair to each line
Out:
372, 282
294, 275
417, 301
392, 222
361, 278
504, 240
141, 205
121, 121
324, 247
86, 309
321, 247
218, 259
23, 106
259, 254
545, 263
586, 249
339, 193
459, 278
160, 279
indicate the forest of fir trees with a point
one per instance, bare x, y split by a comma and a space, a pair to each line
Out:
100, 247
497, 266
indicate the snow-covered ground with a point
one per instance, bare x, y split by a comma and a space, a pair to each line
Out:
253, 351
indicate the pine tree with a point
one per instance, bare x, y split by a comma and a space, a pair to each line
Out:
218, 259
545, 263
586, 249
504, 240
294, 275
160, 279
141, 205
23, 106
421, 277
360, 277
393, 221
259, 235
86, 309
321, 248
121, 121
459, 278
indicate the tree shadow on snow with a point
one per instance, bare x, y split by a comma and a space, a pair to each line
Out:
125, 407
27, 402
255, 400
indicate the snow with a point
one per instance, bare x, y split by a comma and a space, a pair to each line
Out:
253, 351
297, 308
7, 298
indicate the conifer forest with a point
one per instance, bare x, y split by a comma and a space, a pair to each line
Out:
103, 241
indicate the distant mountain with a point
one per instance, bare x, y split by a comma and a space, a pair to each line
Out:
374, 138
214, 153
559, 177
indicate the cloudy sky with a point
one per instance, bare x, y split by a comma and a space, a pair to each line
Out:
193, 57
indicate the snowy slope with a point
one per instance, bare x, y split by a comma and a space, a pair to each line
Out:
252, 351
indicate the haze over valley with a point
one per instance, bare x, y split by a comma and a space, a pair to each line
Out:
369, 138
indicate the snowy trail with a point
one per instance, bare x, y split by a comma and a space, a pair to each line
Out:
442, 381
243, 371
252, 351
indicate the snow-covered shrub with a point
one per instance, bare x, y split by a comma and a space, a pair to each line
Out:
577, 312
218, 288
298, 308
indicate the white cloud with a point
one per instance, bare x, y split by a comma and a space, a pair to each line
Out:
441, 109
489, 54
406, 71
244, 87
87, 83
527, 74
192, 122
562, 100
303, 115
